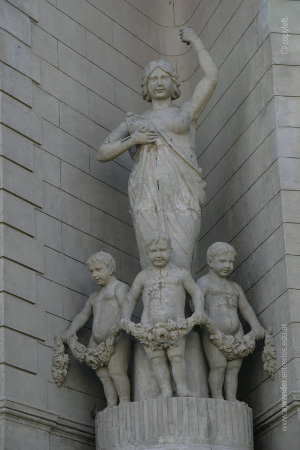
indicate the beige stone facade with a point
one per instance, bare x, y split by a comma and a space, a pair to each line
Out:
69, 71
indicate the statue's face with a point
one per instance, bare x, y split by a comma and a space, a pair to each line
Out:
101, 272
160, 85
159, 253
222, 265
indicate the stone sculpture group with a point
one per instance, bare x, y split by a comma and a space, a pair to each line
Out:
166, 194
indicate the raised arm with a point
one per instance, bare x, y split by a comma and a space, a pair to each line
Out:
80, 320
132, 297
249, 315
120, 140
206, 86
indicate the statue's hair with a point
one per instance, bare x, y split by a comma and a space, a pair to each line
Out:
155, 237
102, 257
218, 249
166, 67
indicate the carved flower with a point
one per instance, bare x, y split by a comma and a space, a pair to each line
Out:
161, 335
174, 335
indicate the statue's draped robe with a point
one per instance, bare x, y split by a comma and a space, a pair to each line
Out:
166, 191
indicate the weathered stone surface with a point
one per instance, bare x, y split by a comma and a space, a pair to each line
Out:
175, 423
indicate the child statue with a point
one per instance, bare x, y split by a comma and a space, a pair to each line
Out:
163, 287
106, 306
223, 300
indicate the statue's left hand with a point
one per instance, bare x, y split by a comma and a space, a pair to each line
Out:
259, 332
187, 35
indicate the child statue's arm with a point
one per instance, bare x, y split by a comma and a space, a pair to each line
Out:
132, 297
80, 320
121, 291
249, 315
195, 292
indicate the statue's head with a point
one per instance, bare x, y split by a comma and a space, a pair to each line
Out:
159, 249
101, 258
168, 69
220, 258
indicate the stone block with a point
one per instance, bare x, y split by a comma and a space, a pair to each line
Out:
86, 72
67, 208
124, 208
20, 118
49, 296
245, 208
103, 112
20, 350
160, 12
18, 280
292, 57
72, 404
19, 56
293, 303
286, 80
20, 182
44, 45
89, 17
29, 7
15, 22
64, 88
45, 105
182, 13
268, 254
110, 172
265, 291
16, 147
134, 49
35, 393
22, 248
292, 238
293, 266
15, 84
81, 246
114, 232
67, 272
111, 60
278, 313
288, 142
46, 166
278, 10
88, 189
289, 173
19, 435
290, 202
48, 231
130, 267
81, 127
62, 27
127, 99
17, 213
287, 111
273, 437
23, 317
66, 147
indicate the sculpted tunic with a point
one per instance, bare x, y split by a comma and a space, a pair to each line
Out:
166, 190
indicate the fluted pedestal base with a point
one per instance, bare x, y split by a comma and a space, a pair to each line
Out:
175, 423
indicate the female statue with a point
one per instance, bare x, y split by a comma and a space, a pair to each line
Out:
166, 189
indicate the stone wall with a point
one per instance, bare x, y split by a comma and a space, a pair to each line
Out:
70, 70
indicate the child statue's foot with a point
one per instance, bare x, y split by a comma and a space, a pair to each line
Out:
166, 393
183, 392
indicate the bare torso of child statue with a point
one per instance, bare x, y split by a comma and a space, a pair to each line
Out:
221, 304
163, 294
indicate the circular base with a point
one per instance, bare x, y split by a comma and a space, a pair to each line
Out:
175, 423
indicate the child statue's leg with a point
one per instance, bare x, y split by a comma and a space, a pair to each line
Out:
117, 368
217, 364
159, 365
108, 386
177, 359
231, 378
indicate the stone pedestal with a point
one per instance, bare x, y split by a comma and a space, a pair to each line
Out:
175, 423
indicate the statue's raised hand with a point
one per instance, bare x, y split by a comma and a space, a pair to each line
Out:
188, 35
